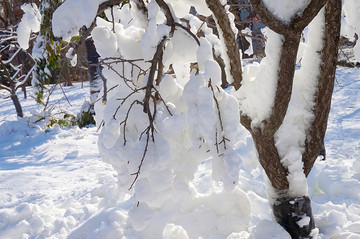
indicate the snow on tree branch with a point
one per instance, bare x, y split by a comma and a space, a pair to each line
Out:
228, 36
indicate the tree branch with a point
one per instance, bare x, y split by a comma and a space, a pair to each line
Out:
309, 13
169, 17
284, 85
154, 63
232, 50
268, 18
110, 3
325, 84
141, 6
296, 25
189, 32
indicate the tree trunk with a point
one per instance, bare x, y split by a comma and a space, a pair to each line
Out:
295, 215
93, 64
314, 142
17, 105
65, 74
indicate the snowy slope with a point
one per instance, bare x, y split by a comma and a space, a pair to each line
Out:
53, 183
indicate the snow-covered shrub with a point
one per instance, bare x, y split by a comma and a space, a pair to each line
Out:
166, 112
158, 126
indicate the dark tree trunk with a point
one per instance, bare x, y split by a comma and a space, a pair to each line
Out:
93, 65
17, 105
295, 215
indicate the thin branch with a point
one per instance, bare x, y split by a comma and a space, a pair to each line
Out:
13, 56
154, 62
123, 100
107, 92
189, 32
4, 87
157, 95
127, 117
142, 160
27, 77
220, 119
259, 38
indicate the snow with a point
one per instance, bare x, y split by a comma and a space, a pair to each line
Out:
189, 172
172, 231
72, 15
304, 221
286, 10
290, 137
250, 50
351, 25
257, 93
30, 22
54, 185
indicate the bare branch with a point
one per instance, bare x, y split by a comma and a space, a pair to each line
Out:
106, 92
189, 32
220, 119
154, 62
109, 3
259, 38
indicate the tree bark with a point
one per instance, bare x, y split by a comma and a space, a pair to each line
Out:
17, 105
314, 141
223, 23
270, 160
289, 212
93, 63
295, 215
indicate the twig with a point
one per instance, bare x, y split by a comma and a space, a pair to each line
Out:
219, 116
107, 92
189, 32
127, 117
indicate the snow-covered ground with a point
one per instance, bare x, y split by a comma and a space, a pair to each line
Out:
53, 183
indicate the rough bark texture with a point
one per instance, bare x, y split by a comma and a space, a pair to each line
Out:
284, 83
223, 23
296, 25
270, 160
17, 105
325, 87
289, 211
264, 137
